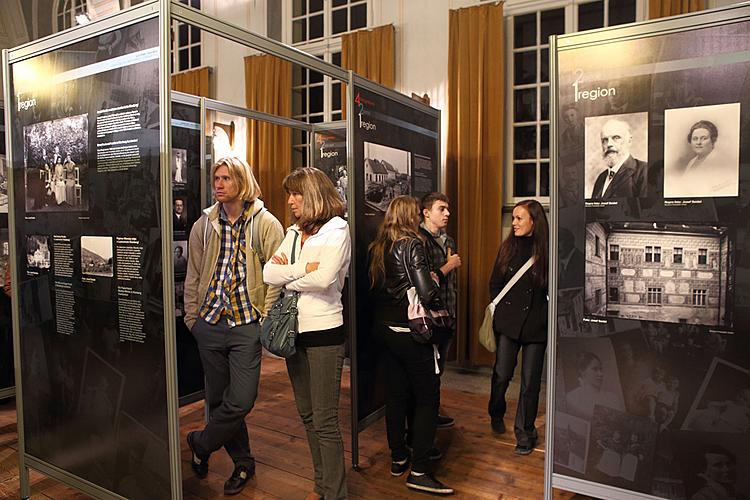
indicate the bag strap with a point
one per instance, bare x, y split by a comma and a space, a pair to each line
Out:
294, 246
513, 280
254, 236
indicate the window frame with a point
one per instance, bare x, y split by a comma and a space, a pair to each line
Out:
614, 252
77, 7
176, 47
287, 30
654, 292
701, 294
514, 8
704, 257
678, 252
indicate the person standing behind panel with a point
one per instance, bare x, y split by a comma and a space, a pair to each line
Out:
225, 298
323, 251
397, 262
444, 260
520, 321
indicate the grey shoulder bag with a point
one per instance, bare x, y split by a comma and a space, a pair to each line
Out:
278, 333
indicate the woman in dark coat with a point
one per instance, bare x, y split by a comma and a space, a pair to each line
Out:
520, 321
398, 262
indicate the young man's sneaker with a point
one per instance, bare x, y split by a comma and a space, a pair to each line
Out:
498, 426
398, 468
199, 463
444, 422
524, 449
238, 479
428, 483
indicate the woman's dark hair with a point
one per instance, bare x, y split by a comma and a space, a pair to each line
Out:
540, 236
584, 359
713, 132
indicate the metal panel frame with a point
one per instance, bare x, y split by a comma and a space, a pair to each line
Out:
656, 27
9, 391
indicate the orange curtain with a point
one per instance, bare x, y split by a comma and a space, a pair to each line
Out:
268, 88
195, 81
474, 161
370, 53
664, 8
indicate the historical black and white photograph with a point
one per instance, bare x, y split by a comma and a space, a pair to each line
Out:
179, 168
571, 442
96, 255
3, 185
179, 214
714, 465
677, 273
38, 252
621, 449
590, 376
387, 174
570, 312
179, 250
616, 156
702, 151
723, 401
56, 159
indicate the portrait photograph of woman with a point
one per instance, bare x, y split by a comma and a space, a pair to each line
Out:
701, 151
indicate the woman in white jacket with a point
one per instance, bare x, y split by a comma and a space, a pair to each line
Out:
322, 254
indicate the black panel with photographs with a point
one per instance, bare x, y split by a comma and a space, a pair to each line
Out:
395, 153
85, 139
186, 209
653, 298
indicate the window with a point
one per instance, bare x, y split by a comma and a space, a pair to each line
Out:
653, 254
318, 19
315, 98
529, 28
699, 296
596, 245
66, 12
654, 295
614, 294
614, 252
702, 256
598, 296
186, 43
613, 270
677, 255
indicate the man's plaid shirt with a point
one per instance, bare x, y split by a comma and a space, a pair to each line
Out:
437, 257
227, 294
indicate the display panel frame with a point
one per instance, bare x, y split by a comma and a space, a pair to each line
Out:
559, 44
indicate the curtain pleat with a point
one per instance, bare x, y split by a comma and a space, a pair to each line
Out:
664, 8
370, 53
268, 88
474, 160
195, 81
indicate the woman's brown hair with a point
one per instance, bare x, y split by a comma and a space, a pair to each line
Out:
401, 222
321, 201
540, 243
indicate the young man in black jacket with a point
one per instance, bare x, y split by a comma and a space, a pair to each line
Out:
444, 260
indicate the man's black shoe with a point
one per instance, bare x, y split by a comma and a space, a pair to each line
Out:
198, 463
428, 483
434, 454
238, 479
399, 467
444, 422
524, 449
498, 425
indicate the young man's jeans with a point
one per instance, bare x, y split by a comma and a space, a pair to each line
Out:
315, 373
231, 363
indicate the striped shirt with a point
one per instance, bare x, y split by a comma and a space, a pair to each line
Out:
227, 294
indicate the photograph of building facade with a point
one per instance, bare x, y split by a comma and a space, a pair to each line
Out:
675, 273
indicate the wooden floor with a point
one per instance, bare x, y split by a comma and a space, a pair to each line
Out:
476, 463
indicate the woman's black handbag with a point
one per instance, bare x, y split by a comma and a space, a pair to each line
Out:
278, 333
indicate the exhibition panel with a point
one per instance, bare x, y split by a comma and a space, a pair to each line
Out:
649, 366
395, 150
88, 280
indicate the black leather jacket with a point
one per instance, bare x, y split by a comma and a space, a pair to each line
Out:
406, 265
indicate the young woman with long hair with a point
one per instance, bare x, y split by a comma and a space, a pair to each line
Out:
322, 254
397, 262
520, 320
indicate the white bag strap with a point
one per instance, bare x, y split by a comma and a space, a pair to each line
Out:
513, 281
